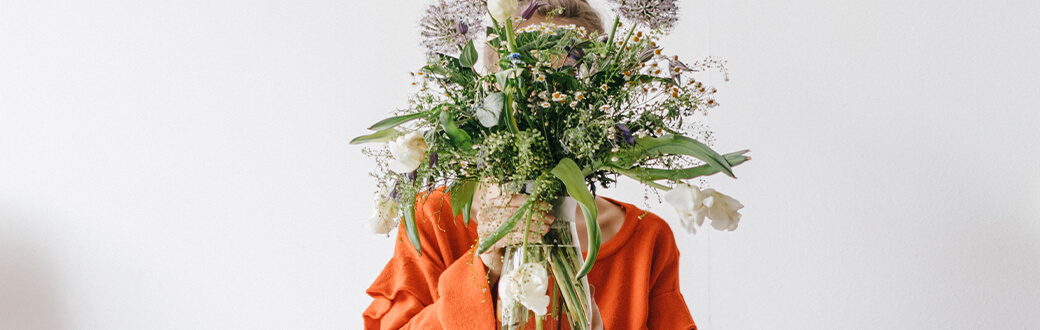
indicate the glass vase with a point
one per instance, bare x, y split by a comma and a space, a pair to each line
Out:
559, 254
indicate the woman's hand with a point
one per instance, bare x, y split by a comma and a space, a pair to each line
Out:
493, 208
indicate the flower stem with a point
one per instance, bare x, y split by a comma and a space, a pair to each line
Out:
613, 29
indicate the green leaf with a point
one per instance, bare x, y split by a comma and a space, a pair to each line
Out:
377, 137
395, 121
489, 113
462, 198
459, 137
468, 56
409, 225
680, 145
653, 174
570, 174
487, 242
502, 77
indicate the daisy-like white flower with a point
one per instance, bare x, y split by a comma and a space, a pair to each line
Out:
545, 104
558, 97
574, 104
451, 24
655, 14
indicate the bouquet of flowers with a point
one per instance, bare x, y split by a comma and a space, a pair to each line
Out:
566, 110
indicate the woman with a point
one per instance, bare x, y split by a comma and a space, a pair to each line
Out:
635, 279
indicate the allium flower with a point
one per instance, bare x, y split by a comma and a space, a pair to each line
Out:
450, 24
693, 205
650, 13
527, 285
408, 152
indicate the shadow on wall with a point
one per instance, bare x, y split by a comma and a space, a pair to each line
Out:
28, 299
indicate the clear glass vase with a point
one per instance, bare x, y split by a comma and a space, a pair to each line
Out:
559, 254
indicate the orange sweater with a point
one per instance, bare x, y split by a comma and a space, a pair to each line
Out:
636, 276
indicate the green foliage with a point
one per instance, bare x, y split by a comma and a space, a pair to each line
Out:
562, 114
570, 174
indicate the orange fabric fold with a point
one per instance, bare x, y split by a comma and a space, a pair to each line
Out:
636, 276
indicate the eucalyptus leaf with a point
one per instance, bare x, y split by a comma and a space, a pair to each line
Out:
468, 56
502, 77
377, 137
571, 175
489, 113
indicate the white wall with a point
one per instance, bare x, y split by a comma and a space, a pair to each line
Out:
183, 164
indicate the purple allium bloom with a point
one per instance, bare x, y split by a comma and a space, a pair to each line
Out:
433, 158
626, 134
532, 9
445, 27
650, 13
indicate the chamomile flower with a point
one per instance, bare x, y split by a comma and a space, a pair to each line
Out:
558, 97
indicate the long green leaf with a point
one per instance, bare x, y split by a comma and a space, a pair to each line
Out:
468, 56
487, 242
653, 174
570, 174
459, 137
681, 145
377, 137
409, 225
462, 198
394, 121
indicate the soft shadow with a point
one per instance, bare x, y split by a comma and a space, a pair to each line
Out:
28, 298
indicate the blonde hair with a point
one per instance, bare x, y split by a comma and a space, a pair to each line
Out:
577, 10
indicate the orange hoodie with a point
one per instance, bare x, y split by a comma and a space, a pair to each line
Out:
636, 276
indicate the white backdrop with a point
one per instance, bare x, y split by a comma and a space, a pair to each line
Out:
184, 164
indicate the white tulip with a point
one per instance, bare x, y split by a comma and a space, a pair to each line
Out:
689, 204
528, 285
722, 210
408, 152
501, 10
384, 216
693, 205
